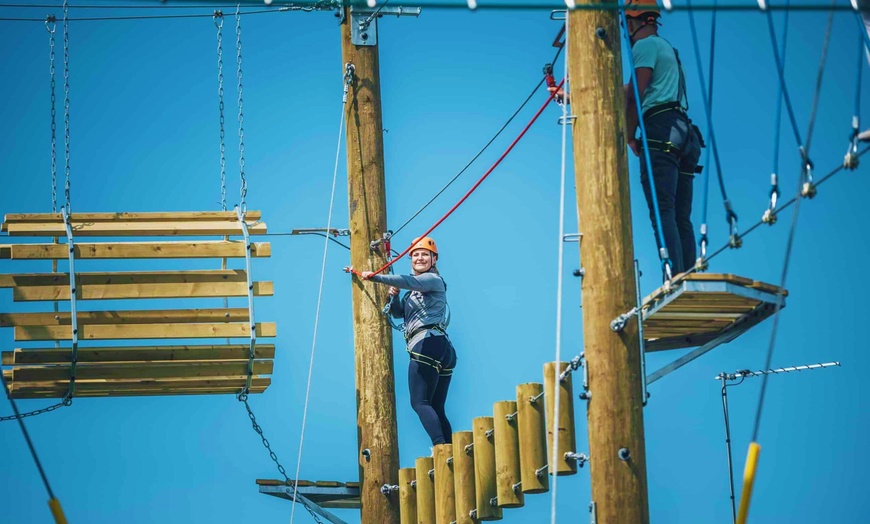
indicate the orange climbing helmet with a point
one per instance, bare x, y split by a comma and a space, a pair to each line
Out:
424, 243
639, 8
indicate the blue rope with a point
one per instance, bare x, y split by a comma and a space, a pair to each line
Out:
706, 95
863, 43
866, 37
663, 250
782, 85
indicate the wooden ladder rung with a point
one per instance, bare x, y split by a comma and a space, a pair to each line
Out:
139, 371
162, 284
145, 331
135, 250
170, 316
139, 354
172, 216
135, 229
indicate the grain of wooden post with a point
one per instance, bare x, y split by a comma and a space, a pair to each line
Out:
564, 421
463, 475
533, 438
484, 469
507, 455
425, 491
445, 499
407, 496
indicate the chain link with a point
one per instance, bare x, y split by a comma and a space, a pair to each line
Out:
244, 190
65, 402
51, 27
219, 24
66, 189
243, 397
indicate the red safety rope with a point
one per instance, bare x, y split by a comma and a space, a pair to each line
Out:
473, 188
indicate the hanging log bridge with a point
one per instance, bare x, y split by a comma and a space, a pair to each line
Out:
103, 367
508, 455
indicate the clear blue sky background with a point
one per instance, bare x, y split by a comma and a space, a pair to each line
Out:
144, 129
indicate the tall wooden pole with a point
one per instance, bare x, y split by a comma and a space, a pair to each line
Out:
373, 343
615, 411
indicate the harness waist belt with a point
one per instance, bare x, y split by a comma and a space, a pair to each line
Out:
436, 327
661, 108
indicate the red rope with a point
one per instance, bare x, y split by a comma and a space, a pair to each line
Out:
473, 188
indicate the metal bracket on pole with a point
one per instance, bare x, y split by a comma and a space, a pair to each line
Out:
71, 252
296, 497
593, 517
363, 22
321, 230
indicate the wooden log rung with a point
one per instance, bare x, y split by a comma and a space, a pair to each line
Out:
135, 250
137, 354
145, 331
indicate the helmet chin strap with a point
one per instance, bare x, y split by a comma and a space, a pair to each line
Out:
642, 25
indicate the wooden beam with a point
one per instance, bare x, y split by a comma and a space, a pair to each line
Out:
135, 229
138, 250
137, 354
177, 216
158, 370
126, 317
145, 331
162, 284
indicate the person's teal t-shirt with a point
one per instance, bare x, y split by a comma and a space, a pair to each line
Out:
657, 54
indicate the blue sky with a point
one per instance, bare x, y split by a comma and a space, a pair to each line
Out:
144, 137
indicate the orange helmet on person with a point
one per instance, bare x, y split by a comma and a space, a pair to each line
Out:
424, 243
642, 9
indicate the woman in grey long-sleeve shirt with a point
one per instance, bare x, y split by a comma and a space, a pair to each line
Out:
424, 309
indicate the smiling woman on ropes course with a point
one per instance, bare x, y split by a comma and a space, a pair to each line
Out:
424, 309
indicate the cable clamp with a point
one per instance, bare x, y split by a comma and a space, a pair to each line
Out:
387, 489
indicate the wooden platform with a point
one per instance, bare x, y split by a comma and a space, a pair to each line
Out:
703, 307
326, 494
157, 368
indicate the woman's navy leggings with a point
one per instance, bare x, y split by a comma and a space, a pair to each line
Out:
428, 385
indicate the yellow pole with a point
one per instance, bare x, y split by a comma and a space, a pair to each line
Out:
57, 511
748, 481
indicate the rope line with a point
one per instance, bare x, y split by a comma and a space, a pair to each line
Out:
485, 147
473, 188
707, 98
791, 234
770, 214
559, 270
319, 301
660, 235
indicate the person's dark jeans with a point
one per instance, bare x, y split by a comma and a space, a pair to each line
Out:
673, 173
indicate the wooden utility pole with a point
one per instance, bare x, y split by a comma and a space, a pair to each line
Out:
615, 410
373, 340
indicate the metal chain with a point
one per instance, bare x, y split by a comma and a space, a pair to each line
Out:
219, 24
51, 27
244, 190
66, 189
49, 409
243, 397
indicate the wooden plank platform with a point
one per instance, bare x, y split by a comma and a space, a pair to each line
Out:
700, 307
157, 284
135, 250
326, 494
144, 369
